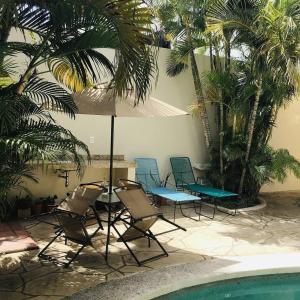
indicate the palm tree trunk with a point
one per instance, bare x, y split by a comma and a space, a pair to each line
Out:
275, 111
221, 147
234, 126
200, 100
211, 56
221, 120
227, 56
250, 132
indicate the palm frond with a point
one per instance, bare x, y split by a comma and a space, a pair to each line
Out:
50, 95
41, 140
14, 108
283, 163
64, 73
12, 48
7, 66
66, 37
178, 59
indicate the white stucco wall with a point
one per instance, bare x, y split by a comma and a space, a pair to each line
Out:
149, 137
286, 135
165, 137
142, 137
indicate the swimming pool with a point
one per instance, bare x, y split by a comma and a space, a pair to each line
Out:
269, 287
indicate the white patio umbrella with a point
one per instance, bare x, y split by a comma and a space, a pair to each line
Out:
102, 101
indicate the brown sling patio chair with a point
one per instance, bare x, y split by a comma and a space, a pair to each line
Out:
82, 201
142, 216
73, 218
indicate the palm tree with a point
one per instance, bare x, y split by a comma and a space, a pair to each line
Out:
68, 32
61, 38
259, 27
183, 22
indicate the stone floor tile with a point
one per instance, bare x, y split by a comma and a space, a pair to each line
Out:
46, 298
60, 284
10, 282
271, 230
12, 296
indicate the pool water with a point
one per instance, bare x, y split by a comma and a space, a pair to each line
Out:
270, 287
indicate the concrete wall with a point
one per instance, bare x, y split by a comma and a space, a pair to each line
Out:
164, 137
136, 137
286, 135
150, 137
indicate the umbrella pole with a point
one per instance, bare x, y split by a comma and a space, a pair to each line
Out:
110, 191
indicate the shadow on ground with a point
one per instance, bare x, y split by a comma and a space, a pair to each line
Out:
271, 230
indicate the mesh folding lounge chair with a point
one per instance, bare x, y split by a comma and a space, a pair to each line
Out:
147, 174
82, 201
143, 216
185, 179
73, 218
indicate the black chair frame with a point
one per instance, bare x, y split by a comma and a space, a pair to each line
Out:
60, 233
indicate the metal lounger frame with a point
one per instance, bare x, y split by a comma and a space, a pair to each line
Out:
182, 185
152, 173
60, 232
59, 229
131, 223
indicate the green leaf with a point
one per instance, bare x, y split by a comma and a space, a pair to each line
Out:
50, 95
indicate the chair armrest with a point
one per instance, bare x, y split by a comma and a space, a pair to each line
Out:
70, 213
165, 182
129, 181
126, 184
95, 183
98, 183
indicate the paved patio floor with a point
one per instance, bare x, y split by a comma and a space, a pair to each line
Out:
274, 229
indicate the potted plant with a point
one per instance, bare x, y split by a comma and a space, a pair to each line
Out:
23, 205
37, 206
50, 203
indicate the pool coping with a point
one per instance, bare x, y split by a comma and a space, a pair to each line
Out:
154, 283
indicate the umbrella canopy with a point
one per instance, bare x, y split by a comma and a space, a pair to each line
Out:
101, 101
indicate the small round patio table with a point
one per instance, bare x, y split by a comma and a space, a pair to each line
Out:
102, 201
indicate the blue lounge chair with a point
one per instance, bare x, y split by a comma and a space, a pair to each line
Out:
185, 180
147, 175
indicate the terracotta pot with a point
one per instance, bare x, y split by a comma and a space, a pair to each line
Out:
24, 213
37, 208
50, 207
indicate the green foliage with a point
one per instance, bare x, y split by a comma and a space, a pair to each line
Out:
66, 34
61, 38
258, 27
266, 165
23, 202
266, 75
178, 59
183, 22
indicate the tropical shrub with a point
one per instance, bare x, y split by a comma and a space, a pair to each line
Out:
183, 22
60, 38
247, 90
